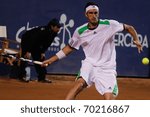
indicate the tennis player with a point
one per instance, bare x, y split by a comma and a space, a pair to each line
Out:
99, 65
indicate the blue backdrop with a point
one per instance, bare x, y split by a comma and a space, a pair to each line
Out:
22, 15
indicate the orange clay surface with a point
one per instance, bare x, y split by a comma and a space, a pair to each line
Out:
13, 89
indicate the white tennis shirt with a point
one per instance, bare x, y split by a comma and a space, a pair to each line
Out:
98, 44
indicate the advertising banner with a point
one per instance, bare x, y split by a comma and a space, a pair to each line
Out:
22, 15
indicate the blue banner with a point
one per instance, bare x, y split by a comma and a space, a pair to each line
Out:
22, 15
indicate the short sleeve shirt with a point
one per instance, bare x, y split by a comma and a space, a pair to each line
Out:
98, 44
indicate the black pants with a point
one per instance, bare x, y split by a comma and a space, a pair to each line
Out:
41, 71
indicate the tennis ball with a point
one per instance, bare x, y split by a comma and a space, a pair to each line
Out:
145, 61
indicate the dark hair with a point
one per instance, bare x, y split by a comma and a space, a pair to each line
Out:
54, 22
90, 3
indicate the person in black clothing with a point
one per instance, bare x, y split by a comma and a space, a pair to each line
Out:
34, 43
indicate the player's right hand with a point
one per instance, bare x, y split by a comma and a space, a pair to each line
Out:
45, 63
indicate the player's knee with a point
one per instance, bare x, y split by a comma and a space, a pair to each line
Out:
81, 83
114, 96
108, 96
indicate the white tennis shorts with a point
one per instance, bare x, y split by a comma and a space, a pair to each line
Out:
104, 79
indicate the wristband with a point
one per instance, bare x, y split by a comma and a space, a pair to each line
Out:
60, 54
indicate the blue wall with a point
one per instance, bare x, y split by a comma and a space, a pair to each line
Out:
21, 15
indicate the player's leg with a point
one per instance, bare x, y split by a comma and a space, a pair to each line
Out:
109, 96
112, 94
79, 85
106, 83
82, 80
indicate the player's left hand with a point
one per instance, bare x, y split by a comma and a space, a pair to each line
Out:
139, 46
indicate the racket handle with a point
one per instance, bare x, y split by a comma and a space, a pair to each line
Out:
39, 63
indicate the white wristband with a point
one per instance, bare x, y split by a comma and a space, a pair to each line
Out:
60, 54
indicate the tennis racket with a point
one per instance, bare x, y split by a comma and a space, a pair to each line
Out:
22, 59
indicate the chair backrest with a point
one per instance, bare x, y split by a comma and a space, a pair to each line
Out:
3, 31
3, 34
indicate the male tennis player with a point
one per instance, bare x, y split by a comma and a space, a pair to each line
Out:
99, 65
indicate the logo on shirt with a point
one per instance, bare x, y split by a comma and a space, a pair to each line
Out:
109, 88
94, 32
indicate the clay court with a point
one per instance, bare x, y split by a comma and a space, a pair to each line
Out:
12, 89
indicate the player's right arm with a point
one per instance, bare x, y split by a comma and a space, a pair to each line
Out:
59, 55
74, 44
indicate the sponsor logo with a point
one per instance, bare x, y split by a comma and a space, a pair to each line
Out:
61, 41
126, 40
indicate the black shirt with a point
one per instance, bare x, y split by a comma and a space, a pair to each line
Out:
37, 39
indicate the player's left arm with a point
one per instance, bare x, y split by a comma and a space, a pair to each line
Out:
133, 33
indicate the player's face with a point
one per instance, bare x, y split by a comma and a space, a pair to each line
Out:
55, 29
92, 15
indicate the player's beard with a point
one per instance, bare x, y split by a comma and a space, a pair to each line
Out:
94, 22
